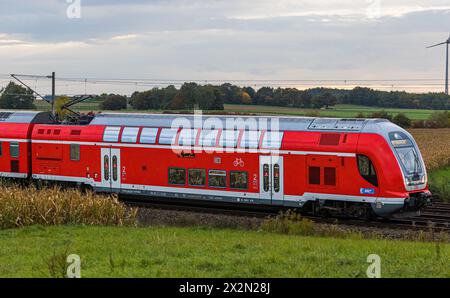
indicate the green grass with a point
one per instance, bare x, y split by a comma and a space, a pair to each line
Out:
439, 183
339, 111
202, 252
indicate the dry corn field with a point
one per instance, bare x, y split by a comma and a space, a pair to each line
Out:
434, 145
55, 206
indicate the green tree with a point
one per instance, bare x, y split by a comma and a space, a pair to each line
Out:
16, 97
113, 102
402, 120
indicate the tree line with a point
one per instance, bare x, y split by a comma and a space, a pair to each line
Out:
213, 97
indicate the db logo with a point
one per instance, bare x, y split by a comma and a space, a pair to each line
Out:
238, 162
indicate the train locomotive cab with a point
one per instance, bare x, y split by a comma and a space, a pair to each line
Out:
403, 178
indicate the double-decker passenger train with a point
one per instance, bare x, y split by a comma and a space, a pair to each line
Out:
357, 167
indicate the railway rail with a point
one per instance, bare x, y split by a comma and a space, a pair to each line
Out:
435, 217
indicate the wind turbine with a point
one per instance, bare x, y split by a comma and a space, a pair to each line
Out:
447, 42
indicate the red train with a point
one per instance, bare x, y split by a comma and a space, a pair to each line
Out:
345, 166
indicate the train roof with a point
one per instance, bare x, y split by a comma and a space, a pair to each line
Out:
286, 123
9, 116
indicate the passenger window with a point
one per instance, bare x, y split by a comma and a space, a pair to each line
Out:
229, 138
114, 168
276, 178
314, 175
148, 135
367, 170
187, 137
1, 148
250, 139
14, 149
208, 138
272, 140
167, 136
177, 176
111, 134
106, 166
129, 134
266, 177
197, 177
217, 178
74, 152
238, 180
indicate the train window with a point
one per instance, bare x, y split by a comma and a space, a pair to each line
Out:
111, 134
177, 176
114, 168
238, 180
276, 177
1, 148
329, 176
14, 149
167, 136
129, 134
197, 177
187, 137
106, 166
266, 177
229, 138
367, 170
208, 138
250, 139
314, 175
74, 151
217, 178
148, 135
272, 140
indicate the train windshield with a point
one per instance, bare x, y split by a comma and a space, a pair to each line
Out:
409, 159
407, 154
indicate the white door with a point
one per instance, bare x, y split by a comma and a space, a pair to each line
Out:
271, 182
111, 173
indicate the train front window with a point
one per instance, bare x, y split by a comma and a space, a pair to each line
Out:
408, 158
367, 170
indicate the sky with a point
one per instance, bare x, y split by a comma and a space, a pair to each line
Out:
127, 46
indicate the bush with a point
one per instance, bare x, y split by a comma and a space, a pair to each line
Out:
439, 119
402, 120
53, 206
113, 102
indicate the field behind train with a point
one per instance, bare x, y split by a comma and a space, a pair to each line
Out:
340, 110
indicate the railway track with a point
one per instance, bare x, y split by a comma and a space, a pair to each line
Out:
436, 217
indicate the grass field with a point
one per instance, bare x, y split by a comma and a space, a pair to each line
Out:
340, 111
196, 252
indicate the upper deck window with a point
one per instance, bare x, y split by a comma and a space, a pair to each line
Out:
229, 138
148, 135
208, 138
187, 137
167, 136
111, 134
272, 140
129, 134
250, 139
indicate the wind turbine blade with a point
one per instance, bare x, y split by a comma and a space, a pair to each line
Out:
437, 45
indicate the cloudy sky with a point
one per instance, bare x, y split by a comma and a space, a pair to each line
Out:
279, 42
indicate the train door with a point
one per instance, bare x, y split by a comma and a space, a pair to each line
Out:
271, 185
111, 168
